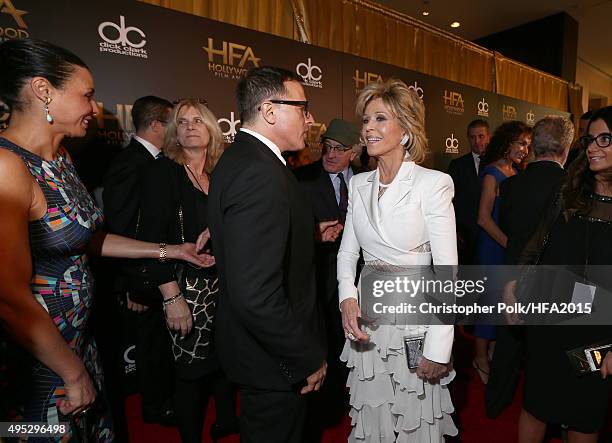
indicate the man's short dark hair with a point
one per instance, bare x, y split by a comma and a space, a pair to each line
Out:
260, 84
478, 123
551, 136
587, 115
148, 109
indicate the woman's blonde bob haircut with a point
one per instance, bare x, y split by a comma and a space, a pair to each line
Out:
172, 148
406, 106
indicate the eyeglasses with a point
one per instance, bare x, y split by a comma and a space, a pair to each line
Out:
163, 122
201, 101
524, 144
303, 103
340, 149
183, 122
602, 140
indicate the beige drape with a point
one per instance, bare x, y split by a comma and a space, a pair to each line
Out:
367, 29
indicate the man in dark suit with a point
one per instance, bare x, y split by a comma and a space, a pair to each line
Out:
268, 333
525, 199
464, 172
154, 361
326, 184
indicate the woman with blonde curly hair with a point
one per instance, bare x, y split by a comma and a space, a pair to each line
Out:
400, 216
173, 207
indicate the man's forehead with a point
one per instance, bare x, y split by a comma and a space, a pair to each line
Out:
478, 130
295, 90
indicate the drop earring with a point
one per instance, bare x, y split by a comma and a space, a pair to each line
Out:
47, 115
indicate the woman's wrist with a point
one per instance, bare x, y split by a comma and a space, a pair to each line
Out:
172, 252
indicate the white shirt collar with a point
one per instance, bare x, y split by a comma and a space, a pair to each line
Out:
344, 172
266, 141
153, 150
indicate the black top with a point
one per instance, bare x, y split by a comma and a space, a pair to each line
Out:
523, 200
552, 389
165, 188
268, 329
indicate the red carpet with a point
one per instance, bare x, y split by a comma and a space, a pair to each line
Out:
468, 398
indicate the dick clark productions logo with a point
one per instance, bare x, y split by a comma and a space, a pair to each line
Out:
119, 39
452, 145
232, 123
311, 74
483, 108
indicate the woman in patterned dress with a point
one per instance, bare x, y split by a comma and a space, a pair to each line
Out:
49, 222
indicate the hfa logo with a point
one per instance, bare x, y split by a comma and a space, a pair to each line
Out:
230, 133
452, 145
416, 88
222, 61
530, 118
7, 7
311, 74
483, 108
115, 129
509, 112
119, 39
453, 102
367, 78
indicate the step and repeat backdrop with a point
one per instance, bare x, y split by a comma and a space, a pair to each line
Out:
135, 49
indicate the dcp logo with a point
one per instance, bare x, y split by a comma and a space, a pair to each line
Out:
230, 133
309, 72
452, 145
483, 108
530, 117
130, 363
123, 36
416, 88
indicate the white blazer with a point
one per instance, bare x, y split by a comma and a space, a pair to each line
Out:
415, 209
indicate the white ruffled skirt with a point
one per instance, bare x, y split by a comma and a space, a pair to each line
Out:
389, 403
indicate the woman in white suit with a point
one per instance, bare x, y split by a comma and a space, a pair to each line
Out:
400, 214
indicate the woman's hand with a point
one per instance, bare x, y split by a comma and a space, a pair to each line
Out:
350, 313
178, 316
188, 252
509, 298
80, 394
329, 231
432, 371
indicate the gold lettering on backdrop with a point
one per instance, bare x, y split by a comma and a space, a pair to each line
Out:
7, 7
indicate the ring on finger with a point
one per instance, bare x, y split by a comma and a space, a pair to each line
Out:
350, 336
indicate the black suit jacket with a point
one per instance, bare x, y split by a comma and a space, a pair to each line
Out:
318, 187
524, 199
122, 188
466, 201
268, 329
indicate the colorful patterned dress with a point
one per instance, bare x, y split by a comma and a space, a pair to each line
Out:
62, 283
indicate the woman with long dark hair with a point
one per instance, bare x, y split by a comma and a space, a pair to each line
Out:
49, 222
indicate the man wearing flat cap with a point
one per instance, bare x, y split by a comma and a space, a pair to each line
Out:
326, 184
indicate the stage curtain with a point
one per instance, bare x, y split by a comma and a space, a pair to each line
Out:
271, 16
520, 81
367, 29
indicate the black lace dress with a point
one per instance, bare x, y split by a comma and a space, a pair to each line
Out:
554, 393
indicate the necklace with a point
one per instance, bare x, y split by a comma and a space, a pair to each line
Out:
196, 178
601, 198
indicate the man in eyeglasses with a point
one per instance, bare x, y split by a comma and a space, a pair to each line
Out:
326, 184
269, 337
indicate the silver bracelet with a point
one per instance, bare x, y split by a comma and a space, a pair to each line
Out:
172, 300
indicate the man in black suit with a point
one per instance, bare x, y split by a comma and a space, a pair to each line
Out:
326, 185
525, 200
153, 355
464, 172
268, 333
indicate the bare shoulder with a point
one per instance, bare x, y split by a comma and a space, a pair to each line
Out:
14, 176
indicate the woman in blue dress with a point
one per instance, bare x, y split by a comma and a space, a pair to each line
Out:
49, 222
505, 156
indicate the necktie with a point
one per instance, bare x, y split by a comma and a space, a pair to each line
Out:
343, 203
